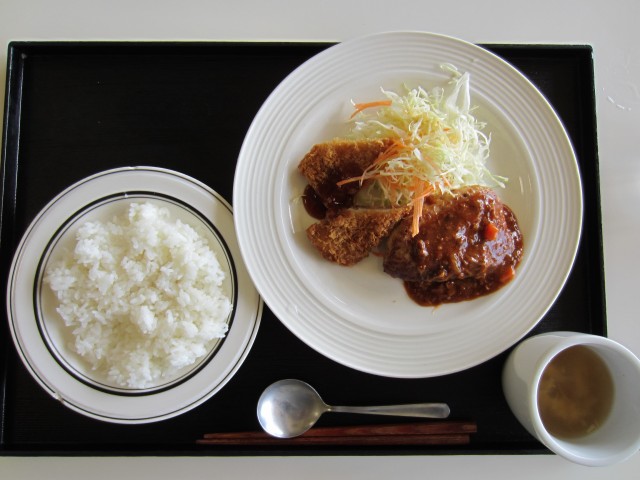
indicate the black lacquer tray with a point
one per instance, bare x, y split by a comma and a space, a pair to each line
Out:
74, 109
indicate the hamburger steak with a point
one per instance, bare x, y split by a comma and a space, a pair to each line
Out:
469, 244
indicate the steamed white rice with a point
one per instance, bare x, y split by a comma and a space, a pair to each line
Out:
142, 295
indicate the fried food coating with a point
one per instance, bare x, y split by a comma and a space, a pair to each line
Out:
328, 163
347, 236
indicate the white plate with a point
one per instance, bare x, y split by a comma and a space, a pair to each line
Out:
359, 316
38, 331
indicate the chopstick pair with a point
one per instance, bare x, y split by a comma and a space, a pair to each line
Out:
423, 433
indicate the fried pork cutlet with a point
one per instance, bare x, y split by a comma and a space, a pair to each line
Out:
328, 163
347, 236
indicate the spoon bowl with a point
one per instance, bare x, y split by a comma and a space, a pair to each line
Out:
288, 408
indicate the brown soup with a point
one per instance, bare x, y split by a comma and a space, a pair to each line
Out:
575, 393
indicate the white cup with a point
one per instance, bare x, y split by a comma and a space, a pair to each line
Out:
619, 436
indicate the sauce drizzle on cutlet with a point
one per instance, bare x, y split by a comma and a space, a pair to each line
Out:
313, 203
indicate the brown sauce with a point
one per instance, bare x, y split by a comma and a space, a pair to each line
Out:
337, 196
313, 204
431, 294
467, 249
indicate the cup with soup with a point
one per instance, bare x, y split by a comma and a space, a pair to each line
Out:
578, 394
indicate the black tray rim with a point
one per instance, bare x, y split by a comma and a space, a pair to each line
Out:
18, 52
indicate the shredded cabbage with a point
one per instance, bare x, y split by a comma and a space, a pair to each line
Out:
438, 144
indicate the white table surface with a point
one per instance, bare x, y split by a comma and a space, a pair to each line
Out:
610, 26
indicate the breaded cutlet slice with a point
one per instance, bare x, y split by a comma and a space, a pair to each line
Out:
347, 236
328, 163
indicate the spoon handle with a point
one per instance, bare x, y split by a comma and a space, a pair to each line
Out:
423, 410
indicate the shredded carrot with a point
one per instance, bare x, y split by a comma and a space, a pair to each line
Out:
419, 188
363, 106
360, 178
389, 153
418, 204
417, 213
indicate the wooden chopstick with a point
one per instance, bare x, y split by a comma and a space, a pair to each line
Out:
423, 428
366, 440
424, 433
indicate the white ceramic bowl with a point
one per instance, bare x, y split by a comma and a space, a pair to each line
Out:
618, 438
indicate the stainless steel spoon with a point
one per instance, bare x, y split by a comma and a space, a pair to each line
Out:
289, 408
